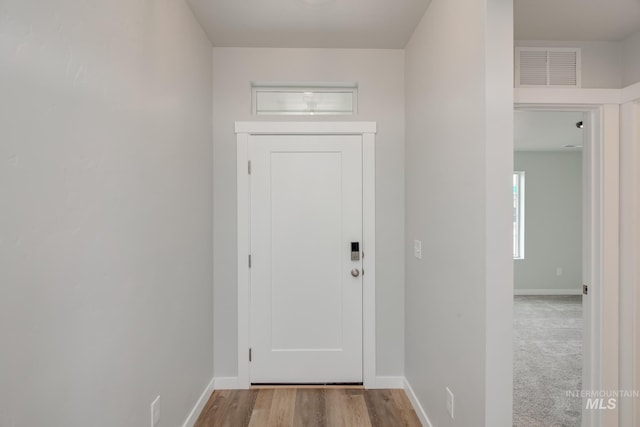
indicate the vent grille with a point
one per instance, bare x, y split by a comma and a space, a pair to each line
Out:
563, 68
551, 67
533, 68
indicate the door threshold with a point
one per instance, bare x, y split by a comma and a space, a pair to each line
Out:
343, 386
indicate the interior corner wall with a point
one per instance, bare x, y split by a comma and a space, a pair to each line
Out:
459, 126
553, 222
380, 77
631, 60
602, 62
105, 212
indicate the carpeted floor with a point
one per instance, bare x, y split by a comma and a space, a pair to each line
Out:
547, 360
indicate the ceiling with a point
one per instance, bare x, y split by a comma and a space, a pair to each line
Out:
390, 23
547, 131
309, 23
576, 20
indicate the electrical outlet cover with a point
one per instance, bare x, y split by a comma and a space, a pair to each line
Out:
155, 412
450, 402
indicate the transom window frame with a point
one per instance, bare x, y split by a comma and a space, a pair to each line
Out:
305, 90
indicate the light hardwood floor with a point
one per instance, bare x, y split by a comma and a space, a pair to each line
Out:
308, 407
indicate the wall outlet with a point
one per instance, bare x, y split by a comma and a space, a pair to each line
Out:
559, 271
450, 402
155, 412
417, 249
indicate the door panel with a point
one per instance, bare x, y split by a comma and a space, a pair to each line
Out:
306, 306
306, 217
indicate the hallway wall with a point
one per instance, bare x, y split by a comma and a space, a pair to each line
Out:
605, 64
105, 212
380, 76
601, 61
459, 151
631, 60
552, 221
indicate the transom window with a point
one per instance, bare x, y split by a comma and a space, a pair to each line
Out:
304, 100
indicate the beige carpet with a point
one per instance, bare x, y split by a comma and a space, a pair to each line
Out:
547, 361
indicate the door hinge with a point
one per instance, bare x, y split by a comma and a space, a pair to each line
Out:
249, 261
249, 355
585, 290
249, 167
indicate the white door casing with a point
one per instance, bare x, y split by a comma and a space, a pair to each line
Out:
305, 303
248, 135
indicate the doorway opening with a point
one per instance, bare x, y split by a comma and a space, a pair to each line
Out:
600, 244
548, 267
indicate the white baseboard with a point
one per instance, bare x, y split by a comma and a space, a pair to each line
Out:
422, 415
195, 412
227, 383
389, 382
547, 291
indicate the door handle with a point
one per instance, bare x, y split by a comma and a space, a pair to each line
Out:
355, 272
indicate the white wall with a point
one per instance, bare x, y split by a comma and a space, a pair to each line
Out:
629, 260
601, 61
459, 151
631, 60
105, 212
380, 76
553, 221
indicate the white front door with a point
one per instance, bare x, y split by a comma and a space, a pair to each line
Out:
305, 290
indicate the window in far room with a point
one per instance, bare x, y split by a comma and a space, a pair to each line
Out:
518, 215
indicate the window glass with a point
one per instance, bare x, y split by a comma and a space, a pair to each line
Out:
518, 215
309, 101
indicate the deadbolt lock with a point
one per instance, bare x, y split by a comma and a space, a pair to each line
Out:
355, 251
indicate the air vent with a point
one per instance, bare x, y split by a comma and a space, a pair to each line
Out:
548, 67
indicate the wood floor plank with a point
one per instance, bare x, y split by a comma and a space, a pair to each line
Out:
262, 408
346, 408
282, 408
310, 408
240, 409
408, 414
230, 409
286, 407
384, 409
216, 404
